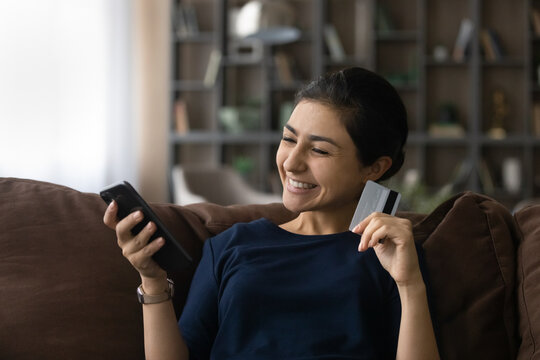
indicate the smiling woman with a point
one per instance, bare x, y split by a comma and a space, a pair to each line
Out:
307, 288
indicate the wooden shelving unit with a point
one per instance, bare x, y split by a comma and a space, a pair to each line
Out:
398, 40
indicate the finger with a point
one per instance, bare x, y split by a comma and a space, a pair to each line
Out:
366, 236
123, 228
369, 238
110, 217
360, 228
142, 259
381, 234
139, 241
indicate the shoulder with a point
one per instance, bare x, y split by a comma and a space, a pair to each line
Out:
241, 232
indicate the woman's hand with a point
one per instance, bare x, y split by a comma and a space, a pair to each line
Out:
392, 239
136, 248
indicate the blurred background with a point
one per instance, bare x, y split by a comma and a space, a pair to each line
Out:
84, 85
187, 99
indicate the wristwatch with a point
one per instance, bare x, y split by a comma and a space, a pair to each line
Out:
156, 299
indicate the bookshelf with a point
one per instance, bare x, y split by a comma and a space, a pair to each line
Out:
457, 105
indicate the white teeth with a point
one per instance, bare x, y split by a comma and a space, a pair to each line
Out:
301, 185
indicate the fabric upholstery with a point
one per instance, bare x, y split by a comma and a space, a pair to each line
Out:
528, 287
69, 293
66, 295
470, 244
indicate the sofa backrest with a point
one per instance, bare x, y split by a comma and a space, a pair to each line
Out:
528, 279
71, 293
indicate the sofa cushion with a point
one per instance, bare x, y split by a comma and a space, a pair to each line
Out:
528, 275
469, 243
67, 294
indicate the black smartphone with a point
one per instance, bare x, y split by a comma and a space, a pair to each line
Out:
172, 256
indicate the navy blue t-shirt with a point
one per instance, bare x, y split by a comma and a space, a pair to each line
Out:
261, 292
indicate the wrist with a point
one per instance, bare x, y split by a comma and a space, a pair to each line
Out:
166, 295
413, 286
154, 286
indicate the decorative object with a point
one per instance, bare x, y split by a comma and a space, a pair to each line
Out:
285, 110
270, 21
244, 165
181, 116
440, 53
245, 51
463, 39
333, 43
500, 112
239, 119
511, 175
447, 124
212, 69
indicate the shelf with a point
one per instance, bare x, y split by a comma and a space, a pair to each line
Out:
214, 137
187, 85
397, 36
403, 56
202, 37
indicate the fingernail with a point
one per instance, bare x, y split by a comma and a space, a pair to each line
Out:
138, 215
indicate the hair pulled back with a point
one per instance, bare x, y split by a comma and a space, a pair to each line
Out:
370, 109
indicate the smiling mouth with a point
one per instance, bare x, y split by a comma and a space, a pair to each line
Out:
300, 185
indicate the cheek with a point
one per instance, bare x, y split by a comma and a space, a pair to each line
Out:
280, 158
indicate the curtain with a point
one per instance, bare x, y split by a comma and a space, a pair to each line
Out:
65, 92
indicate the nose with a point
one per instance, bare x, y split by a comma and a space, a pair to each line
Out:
295, 161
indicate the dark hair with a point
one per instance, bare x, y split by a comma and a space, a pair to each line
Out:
371, 111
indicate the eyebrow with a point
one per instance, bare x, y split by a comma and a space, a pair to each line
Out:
313, 137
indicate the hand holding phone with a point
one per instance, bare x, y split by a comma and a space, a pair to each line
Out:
172, 256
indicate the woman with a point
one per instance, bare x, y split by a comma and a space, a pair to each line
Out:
309, 288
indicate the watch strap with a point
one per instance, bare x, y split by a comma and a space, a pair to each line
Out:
158, 298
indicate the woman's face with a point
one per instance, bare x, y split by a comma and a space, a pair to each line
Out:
317, 161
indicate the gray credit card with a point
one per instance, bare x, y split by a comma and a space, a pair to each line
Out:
375, 198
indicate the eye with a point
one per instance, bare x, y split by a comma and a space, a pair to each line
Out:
288, 139
319, 151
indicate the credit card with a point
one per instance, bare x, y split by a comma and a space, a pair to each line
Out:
375, 198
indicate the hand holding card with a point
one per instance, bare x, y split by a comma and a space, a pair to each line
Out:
375, 198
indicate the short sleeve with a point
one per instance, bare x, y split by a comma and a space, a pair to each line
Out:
199, 320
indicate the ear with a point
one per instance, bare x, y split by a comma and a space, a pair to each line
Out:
378, 168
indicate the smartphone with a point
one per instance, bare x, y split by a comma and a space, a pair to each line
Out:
172, 256
375, 198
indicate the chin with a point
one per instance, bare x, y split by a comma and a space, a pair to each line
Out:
294, 206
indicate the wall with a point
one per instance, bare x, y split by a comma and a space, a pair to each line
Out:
151, 97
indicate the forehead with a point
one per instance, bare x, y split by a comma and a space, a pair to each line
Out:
317, 119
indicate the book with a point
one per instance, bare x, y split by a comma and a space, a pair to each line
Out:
486, 179
466, 29
181, 116
333, 42
535, 21
536, 119
495, 42
487, 45
446, 130
283, 68
362, 29
461, 174
186, 21
384, 22
212, 70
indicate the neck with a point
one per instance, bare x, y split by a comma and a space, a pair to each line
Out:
321, 222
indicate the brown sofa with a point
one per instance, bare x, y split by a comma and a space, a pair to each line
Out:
67, 292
